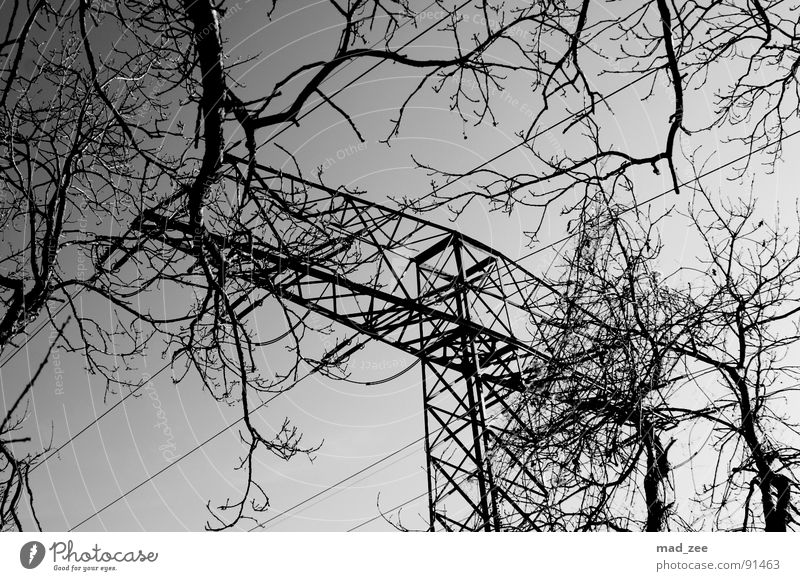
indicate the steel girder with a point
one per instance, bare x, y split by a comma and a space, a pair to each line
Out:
466, 311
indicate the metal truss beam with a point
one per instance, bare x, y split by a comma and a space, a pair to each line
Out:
466, 311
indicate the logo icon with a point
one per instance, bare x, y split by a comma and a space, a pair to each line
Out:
31, 554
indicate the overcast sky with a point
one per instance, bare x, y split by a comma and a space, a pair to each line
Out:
354, 424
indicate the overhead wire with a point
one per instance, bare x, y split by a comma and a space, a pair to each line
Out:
336, 485
226, 428
206, 441
655, 197
463, 175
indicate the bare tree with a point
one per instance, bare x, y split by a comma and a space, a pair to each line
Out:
745, 307
721, 71
640, 342
599, 412
16, 469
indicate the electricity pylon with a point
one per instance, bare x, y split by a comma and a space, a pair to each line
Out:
466, 311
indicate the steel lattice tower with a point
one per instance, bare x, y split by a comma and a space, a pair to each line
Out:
466, 311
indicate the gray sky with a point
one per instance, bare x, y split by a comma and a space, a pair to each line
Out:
356, 424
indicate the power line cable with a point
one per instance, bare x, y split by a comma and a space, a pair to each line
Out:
337, 484
206, 441
130, 394
359, 472
226, 428
401, 505
586, 109
322, 102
